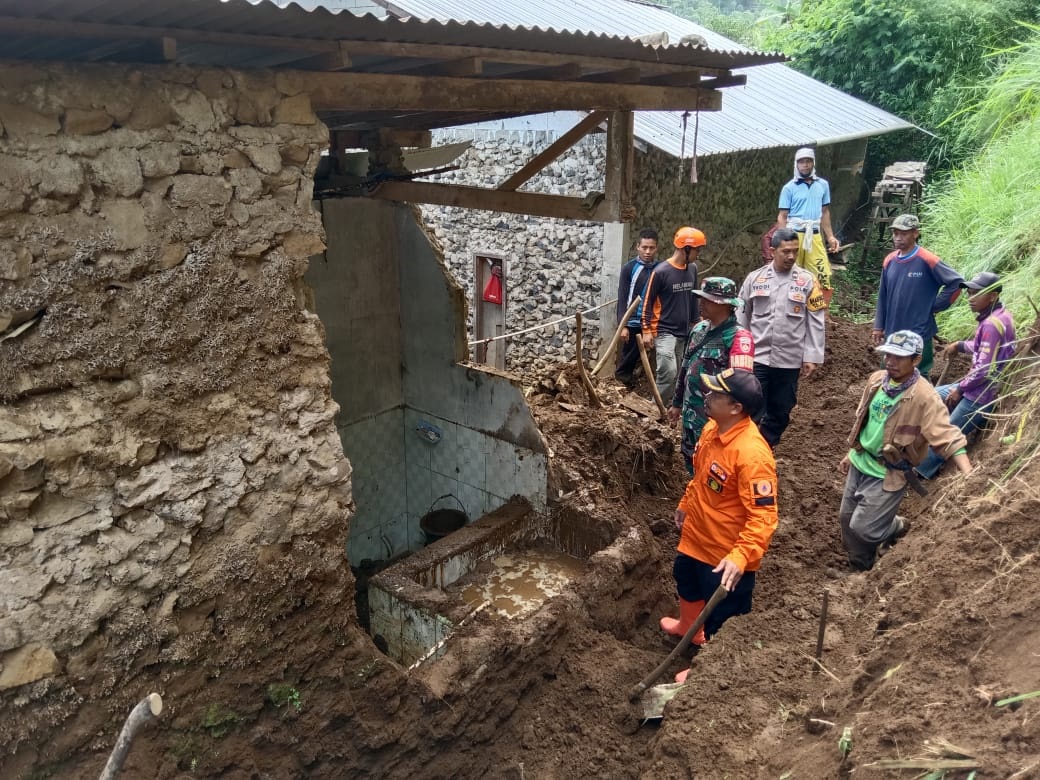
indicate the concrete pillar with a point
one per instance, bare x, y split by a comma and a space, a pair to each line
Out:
617, 243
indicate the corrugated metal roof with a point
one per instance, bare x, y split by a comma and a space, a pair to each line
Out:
763, 114
291, 21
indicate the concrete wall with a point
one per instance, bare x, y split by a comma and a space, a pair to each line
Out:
556, 266
170, 473
395, 323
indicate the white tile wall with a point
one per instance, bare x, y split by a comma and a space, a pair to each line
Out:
399, 476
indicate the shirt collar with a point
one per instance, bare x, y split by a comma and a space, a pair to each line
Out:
735, 431
997, 306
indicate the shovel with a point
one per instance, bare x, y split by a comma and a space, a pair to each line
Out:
653, 703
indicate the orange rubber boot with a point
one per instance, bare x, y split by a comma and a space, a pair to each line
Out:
688, 613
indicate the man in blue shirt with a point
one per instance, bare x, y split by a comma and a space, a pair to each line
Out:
805, 207
632, 283
915, 286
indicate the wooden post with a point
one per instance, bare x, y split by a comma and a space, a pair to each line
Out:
609, 352
823, 628
650, 376
146, 710
594, 401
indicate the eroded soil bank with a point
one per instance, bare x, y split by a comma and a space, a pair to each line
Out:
912, 649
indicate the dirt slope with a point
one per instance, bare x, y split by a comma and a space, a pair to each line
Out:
912, 647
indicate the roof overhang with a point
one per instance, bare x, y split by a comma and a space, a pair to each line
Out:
366, 74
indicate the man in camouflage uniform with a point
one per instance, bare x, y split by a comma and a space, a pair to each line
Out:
716, 343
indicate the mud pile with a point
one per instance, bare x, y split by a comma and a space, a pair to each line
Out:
915, 651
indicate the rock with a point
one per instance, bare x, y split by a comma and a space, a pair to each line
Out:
194, 111
172, 256
15, 262
126, 220
297, 244
150, 113
119, 170
158, 160
266, 158
60, 176
77, 121
295, 110
247, 183
190, 190
15, 535
51, 509
27, 664
23, 123
235, 159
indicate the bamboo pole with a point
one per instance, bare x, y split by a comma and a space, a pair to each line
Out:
650, 376
146, 710
823, 628
609, 353
594, 401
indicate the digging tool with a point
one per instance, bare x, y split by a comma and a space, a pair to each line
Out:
659, 695
608, 353
650, 375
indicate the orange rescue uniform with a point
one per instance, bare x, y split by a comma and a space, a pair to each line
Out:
730, 503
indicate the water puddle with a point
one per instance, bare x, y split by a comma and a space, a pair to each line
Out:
517, 584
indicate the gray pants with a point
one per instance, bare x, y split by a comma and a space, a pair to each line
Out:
669, 351
867, 515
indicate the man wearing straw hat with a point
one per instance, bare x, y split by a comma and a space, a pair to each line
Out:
991, 350
805, 207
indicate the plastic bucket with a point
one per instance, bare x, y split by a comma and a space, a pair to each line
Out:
441, 522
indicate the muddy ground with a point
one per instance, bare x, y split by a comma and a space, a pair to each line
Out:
916, 651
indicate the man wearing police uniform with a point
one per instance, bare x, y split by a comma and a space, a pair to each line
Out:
784, 309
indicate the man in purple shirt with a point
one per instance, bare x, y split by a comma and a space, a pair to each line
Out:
991, 350
915, 286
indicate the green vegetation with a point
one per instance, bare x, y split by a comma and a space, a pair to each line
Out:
219, 720
986, 217
920, 59
284, 695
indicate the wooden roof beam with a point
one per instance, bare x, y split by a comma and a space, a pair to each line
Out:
335, 92
554, 150
559, 206
461, 68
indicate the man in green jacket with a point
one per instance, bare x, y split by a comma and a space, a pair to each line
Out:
899, 416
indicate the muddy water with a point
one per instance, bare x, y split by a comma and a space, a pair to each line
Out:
520, 582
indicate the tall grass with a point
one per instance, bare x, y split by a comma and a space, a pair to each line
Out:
987, 215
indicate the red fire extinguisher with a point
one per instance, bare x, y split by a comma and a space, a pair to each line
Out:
493, 288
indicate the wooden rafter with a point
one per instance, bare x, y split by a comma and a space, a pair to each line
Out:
535, 204
553, 151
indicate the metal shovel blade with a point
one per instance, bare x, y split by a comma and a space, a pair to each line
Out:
653, 701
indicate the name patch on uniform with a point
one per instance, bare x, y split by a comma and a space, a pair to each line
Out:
765, 500
797, 295
718, 472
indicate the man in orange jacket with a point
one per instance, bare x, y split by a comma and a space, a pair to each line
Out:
728, 514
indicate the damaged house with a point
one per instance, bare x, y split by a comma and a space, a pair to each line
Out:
218, 394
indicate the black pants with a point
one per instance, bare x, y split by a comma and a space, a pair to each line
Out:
629, 358
695, 581
780, 390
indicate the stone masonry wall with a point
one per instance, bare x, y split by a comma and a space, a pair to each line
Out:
552, 265
171, 480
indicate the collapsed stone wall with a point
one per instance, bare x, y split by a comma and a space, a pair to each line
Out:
552, 266
171, 479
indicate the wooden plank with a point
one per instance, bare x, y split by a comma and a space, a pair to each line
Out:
332, 60
370, 91
531, 203
554, 150
569, 71
363, 139
621, 76
461, 68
